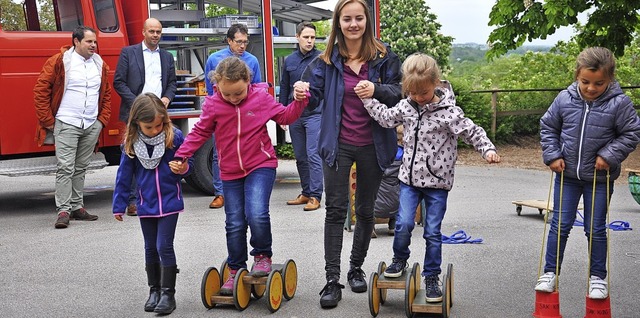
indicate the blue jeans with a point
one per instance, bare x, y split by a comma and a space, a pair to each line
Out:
304, 138
336, 180
215, 169
572, 191
247, 205
436, 206
158, 236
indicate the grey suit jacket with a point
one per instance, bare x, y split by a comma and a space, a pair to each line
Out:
129, 78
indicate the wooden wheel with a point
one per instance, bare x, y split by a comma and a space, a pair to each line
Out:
410, 290
258, 290
446, 300
290, 279
374, 295
274, 291
241, 291
416, 271
450, 283
224, 271
382, 266
210, 286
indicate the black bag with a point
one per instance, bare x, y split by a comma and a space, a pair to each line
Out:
388, 197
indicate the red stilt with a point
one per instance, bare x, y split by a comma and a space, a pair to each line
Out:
547, 305
598, 308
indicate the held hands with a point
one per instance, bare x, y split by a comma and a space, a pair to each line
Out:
179, 167
300, 90
492, 157
364, 89
165, 101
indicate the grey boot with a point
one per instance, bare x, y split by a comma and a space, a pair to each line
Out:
167, 302
153, 278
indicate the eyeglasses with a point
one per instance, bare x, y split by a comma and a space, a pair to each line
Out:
241, 42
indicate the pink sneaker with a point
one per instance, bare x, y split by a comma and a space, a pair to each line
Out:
261, 266
227, 287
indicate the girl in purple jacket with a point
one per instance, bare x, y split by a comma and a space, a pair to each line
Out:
586, 133
238, 113
149, 147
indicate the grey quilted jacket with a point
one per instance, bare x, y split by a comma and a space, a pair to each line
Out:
578, 131
430, 137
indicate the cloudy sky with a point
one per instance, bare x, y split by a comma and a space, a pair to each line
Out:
467, 20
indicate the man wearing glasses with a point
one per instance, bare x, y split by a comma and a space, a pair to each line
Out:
238, 40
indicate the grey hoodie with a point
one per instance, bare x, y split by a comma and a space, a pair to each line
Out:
430, 137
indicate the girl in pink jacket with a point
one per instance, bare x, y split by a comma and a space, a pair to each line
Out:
237, 113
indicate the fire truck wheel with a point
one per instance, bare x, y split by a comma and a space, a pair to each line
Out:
201, 177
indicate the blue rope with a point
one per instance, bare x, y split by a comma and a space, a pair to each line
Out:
614, 226
459, 237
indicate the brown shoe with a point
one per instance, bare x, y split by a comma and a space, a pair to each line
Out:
82, 215
63, 220
132, 210
313, 204
301, 199
217, 202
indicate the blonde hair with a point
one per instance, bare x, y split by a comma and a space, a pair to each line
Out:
370, 46
596, 58
418, 69
145, 108
231, 69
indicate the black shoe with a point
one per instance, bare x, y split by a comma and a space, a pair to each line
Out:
356, 280
433, 293
331, 294
396, 269
82, 215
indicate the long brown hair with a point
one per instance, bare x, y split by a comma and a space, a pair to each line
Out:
370, 46
144, 109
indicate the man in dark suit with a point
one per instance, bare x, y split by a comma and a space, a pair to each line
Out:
144, 68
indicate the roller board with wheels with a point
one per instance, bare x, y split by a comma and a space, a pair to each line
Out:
379, 284
210, 288
282, 282
415, 298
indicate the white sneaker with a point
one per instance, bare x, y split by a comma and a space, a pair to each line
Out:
546, 283
598, 288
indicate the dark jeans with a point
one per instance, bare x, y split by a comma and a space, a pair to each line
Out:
572, 191
436, 206
247, 205
336, 180
215, 170
304, 138
158, 236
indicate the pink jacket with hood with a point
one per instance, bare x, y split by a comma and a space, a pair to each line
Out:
242, 140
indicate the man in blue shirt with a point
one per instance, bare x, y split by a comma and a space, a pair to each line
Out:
304, 132
238, 40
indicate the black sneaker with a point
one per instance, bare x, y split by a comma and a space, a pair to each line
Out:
396, 269
63, 220
331, 294
82, 215
433, 293
356, 280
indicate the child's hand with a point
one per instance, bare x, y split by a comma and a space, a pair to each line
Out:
364, 89
557, 165
118, 217
300, 90
178, 166
492, 157
601, 164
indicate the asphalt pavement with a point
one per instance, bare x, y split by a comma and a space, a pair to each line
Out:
96, 269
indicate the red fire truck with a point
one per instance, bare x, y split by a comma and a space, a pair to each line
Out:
186, 32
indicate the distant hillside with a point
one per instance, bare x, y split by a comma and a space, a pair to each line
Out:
472, 52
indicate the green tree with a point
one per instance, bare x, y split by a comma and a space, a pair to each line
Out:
11, 16
415, 32
611, 23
